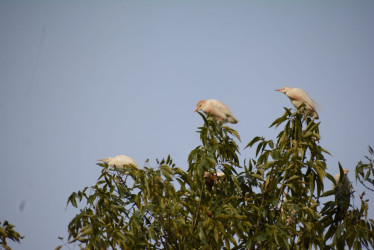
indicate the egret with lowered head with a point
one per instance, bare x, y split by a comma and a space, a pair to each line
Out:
120, 162
216, 109
299, 96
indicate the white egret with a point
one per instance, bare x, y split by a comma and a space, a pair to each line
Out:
216, 109
120, 162
299, 96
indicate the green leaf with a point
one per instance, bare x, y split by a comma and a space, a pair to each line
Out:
294, 177
253, 141
328, 193
72, 199
281, 119
256, 176
166, 171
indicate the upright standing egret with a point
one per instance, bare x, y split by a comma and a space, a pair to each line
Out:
343, 192
299, 96
120, 162
216, 109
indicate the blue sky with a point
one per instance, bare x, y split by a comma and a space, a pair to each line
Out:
83, 80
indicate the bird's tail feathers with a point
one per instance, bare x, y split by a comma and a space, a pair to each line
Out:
316, 104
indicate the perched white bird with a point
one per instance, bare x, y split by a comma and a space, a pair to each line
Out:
120, 162
216, 109
343, 192
299, 96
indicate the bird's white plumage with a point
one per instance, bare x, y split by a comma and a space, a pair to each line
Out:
221, 175
216, 109
298, 96
120, 162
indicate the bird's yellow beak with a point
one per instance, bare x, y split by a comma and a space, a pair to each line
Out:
196, 109
101, 160
278, 89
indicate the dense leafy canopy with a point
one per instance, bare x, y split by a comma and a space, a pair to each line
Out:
275, 200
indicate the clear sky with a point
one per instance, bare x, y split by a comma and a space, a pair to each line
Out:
83, 80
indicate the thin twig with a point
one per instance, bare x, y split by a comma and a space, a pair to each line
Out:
197, 212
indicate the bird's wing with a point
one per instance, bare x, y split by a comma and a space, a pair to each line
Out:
129, 161
221, 107
316, 104
122, 160
302, 96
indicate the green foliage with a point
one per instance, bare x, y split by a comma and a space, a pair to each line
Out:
7, 232
365, 171
270, 201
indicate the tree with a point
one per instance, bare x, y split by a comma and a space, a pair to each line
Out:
271, 201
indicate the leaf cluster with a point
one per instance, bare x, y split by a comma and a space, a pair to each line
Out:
365, 171
7, 232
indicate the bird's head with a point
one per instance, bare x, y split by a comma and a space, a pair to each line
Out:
200, 105
345, 171
104, 160
283, 90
